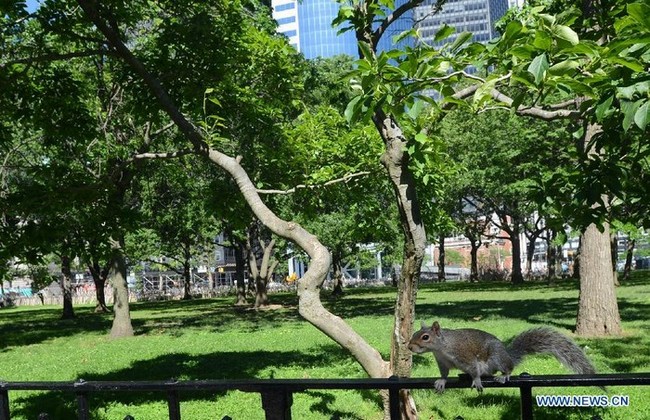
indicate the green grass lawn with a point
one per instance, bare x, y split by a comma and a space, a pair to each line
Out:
210, 339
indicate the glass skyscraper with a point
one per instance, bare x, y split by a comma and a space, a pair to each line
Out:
475, 16
308, 25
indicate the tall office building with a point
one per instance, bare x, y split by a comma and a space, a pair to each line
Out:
308, 25
475, 16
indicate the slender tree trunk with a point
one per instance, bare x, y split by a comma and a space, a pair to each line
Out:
613, 243
187, 271
337, 290
629, 254
117, 274
396, 162
99, 279
473, 276
66, 288
530, 252
517, 277
240, 268
551, 256
441, 258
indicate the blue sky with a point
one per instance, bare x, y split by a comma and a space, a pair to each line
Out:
32, 5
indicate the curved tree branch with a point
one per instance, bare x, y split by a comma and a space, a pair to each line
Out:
308, 287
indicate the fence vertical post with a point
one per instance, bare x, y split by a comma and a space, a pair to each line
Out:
4, 404
277, 404
83, 411
174, 405
393, 400
526, 395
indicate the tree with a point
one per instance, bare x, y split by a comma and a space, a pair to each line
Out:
308, 288
504, 157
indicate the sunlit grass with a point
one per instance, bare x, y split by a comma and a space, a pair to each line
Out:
211, 339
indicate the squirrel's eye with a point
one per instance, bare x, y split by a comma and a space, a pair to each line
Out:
425, 337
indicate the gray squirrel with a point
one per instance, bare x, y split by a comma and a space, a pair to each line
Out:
479, 353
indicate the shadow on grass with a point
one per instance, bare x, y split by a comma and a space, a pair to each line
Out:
32, 325
184, 366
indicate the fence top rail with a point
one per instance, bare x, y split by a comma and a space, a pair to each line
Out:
298, 385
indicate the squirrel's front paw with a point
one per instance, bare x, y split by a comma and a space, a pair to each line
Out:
476, 383
502, 379
440, 385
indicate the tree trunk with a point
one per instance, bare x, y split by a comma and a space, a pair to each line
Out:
66, 288
517, 277
473, 276
629, 254
396, 162
530, 253
613, 243
99, 279
552, 256
597, 309
117, 274
441, 258
337, 290
240, 268
187, 271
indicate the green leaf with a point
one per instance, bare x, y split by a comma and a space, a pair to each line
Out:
365, 49
642, 115
538, 67
641, 13
633, 65
415, 110
629, 110
444, 32
603, 107
566, 33
351, 110
460, 40
563, 67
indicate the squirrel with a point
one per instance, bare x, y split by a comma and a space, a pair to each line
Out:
479, 353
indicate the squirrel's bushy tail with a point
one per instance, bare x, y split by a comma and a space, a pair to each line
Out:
546, 340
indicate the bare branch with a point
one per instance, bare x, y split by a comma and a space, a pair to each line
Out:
345, 178
544, 114
56, 57
162, 155
397, 13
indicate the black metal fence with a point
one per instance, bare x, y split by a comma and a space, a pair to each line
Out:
277, 394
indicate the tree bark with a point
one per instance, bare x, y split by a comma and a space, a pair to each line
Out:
597, 309
240, 280
122, 326
598, 313
187, 271
66, 288
441, 258
396, 162
629, 254
99, 279
337, 290
613, 243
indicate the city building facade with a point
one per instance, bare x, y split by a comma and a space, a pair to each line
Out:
308, 25
475, 16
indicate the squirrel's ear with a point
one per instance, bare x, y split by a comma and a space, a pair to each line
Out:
423, 325
435, 328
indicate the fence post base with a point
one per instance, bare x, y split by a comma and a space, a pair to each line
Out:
277, 404
4, 405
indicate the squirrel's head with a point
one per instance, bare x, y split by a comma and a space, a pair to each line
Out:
425, 339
